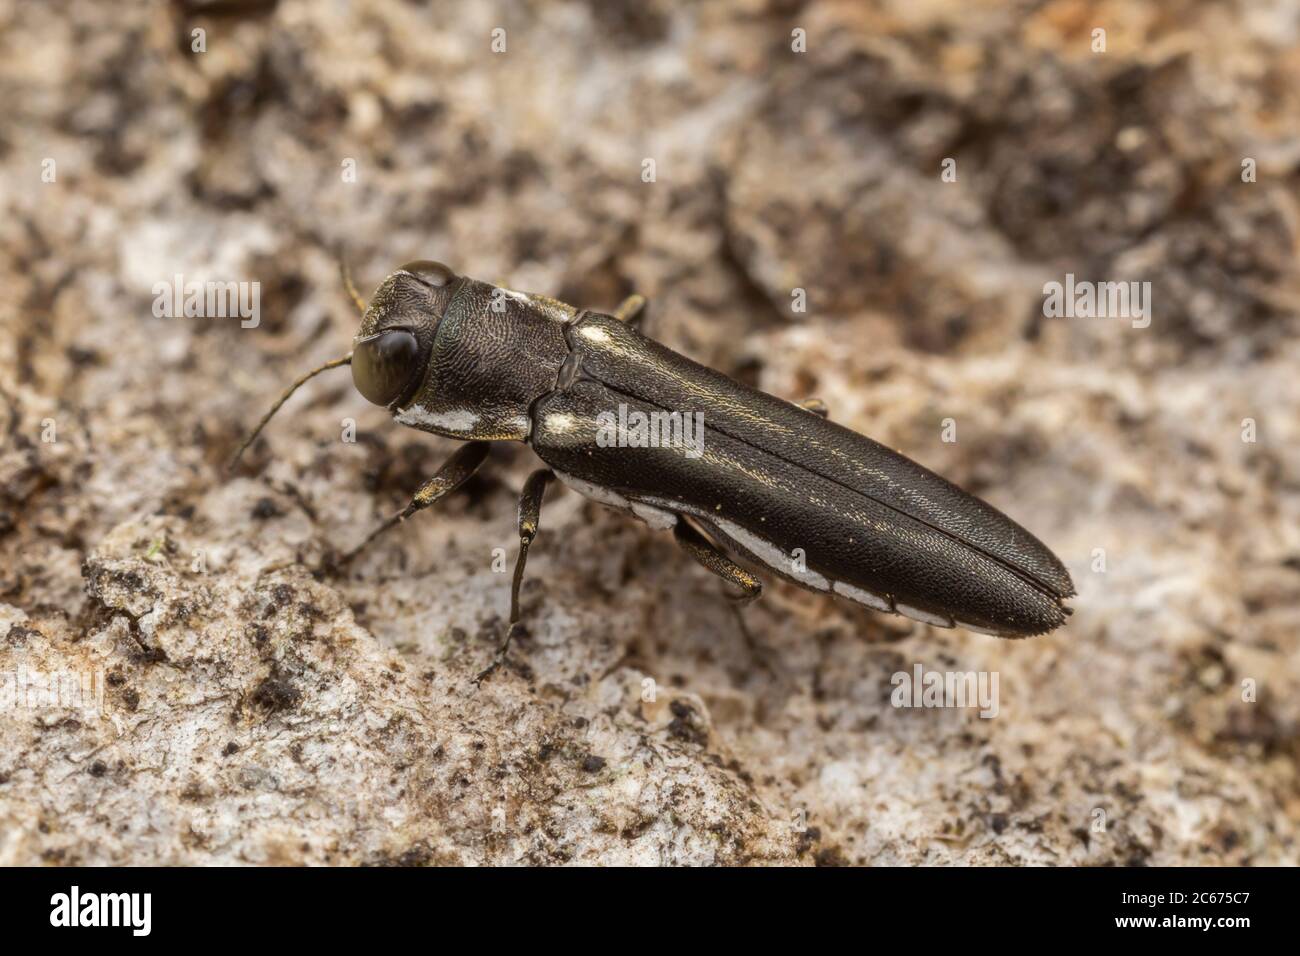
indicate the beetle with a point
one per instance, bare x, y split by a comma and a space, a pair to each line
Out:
773, 484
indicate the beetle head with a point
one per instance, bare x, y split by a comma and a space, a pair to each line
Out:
392, 347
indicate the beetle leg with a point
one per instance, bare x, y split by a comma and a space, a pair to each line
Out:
453, 473
631, 310
346, 275
703, 551
816, 406
708, 555
530, 515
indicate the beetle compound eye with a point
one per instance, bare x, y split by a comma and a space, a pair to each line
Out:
433, 274
384, 366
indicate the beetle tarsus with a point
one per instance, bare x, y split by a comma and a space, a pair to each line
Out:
454, 472
530, 516
497, 659
346, 558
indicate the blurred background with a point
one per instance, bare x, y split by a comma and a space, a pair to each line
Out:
919, 169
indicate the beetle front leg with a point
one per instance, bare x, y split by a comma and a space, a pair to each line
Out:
631, 310
816, 406
454, 472
530, 516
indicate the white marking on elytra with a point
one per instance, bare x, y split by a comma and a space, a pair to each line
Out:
452, 420
668, 504
658, 518
663, 519
594, 333
655, 517
925, 617
874, 601
770, 554
593, 491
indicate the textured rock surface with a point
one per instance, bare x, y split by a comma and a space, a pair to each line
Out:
234, 703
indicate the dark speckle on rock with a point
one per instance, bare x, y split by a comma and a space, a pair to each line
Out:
18, 635
266, 508
830, 856
276, 692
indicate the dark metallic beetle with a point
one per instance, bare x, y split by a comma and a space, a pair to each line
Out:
772, 483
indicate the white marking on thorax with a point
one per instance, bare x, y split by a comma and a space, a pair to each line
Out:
770, 554
594, 333
560, 422
452, 420
874, 601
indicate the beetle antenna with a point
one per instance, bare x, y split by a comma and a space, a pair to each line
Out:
346, 274
332, 363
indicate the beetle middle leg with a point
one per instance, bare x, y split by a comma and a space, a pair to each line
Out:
454, 472
631, 310
530, 516
708, 555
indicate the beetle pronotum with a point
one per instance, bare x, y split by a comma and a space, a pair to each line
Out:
472, 361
